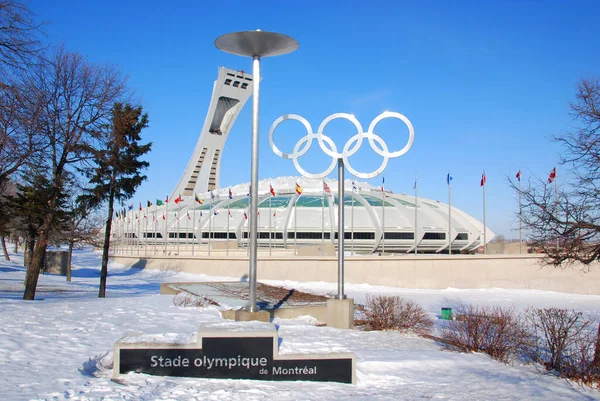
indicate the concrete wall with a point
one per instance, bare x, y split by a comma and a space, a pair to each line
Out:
433, 272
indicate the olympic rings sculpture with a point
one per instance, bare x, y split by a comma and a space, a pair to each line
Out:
350, 148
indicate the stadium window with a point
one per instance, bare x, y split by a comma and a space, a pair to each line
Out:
435, 236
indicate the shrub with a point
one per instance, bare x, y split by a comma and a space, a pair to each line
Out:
185, 300
496, 331
396, 313
565, 341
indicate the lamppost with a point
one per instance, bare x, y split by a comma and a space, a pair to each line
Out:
255, 44
341, 159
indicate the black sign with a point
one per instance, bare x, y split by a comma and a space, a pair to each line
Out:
233, 358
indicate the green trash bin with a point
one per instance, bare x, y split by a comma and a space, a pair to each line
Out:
447, 313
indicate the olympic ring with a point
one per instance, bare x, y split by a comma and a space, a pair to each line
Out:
350, 148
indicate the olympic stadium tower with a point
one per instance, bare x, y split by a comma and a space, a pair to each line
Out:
293, 211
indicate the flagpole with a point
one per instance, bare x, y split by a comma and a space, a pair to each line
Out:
416, 211
382, 220
138, 232
146, 236
449, 217
228, 216
352, 223
484, 224
296, 226
556, 204
270, 223
193, 224
210, 215
178, 220
166, 226
155, 221
520, 217
323, 218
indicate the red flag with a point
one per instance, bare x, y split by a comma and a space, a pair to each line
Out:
326, 187
245, 216
167, 199
140, 205
271, 190
178, 199
519, 175
163, 216
229, 211
275, 213
188, 215
552, 175
483, 178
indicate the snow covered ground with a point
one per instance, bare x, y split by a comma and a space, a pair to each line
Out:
60, 345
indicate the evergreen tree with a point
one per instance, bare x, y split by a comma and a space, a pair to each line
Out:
117, 173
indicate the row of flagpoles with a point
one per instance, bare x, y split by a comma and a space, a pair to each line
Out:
325, 194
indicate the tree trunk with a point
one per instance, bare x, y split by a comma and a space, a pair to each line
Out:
3, 240
16, 244
37, 257
71, 241
105, 248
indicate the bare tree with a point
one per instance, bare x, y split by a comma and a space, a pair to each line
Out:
566, 225
20, 46
77, 98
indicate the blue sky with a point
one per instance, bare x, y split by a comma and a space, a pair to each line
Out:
486, 84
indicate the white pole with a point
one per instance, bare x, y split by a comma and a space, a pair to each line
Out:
200, 236
166, 225
416, 212
556, 206
193, 224
520, 217
352, 224
155, 228
146, 234
484, 224
210, 215
449, 218
382, 221
178, 220
323, 218
270, 223
228, 216
296, 226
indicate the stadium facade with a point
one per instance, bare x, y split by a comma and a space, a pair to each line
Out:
293, 211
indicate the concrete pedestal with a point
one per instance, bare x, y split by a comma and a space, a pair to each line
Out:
340, 313
245, 316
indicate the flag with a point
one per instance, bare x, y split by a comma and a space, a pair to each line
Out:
552, 175
230, 194
271, 190
197, 198
249, 189
140, 205
274, 213
229, 211
383, 184
354, 187
483, 178
163, 216
159, 202
245, 216
167, 199
149, 203
188, 215
415, 184
298, 189
200, 214
519, 176
212, 196
326, 187
178, 199
448, 178
130, 207
216, 212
